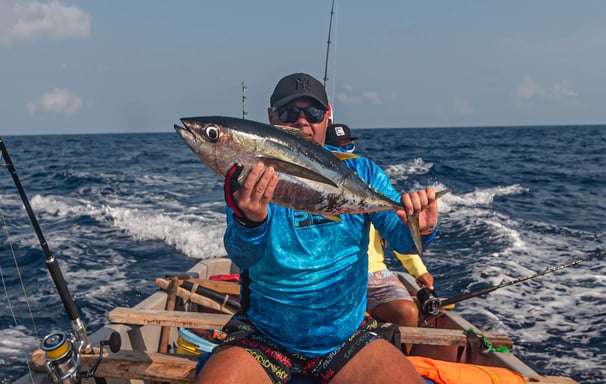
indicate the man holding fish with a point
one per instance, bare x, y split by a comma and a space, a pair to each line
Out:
301, 231
388, 298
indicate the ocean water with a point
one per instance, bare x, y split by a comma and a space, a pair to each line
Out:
118, 211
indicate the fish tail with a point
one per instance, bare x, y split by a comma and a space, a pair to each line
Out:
413, 225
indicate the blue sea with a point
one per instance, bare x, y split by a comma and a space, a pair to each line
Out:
119, 210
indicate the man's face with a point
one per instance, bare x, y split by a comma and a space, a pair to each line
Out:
316, 130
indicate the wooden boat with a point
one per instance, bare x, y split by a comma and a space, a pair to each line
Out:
149, 328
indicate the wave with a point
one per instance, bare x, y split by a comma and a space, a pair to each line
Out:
401, 171
196, 235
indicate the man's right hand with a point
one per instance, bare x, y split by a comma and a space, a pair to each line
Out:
425, 280
256, 192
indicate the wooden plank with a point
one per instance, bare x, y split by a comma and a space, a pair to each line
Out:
161, 367
134, 365
193, 297
170, 306
412, 335
135, 316
227, 287
437, 336
549, 380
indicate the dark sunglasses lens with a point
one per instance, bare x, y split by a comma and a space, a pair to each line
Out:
290, 114
349, 147
285, 115
314, 115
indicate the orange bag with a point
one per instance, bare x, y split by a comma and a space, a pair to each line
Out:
446, 372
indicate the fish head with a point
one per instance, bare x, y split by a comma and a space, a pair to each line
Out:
215, 141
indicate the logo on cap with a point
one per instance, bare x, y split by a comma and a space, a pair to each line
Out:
303, 84
339, 131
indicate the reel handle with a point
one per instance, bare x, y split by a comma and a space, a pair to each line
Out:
114, 342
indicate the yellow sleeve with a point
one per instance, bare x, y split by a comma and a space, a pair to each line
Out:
413, 263
376, 257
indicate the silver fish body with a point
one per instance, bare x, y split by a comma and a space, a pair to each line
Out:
311, 179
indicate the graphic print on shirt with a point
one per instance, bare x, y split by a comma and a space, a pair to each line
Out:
304, 219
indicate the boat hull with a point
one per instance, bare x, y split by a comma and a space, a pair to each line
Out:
142, 337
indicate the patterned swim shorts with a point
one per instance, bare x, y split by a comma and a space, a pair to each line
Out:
281, 364
384, 286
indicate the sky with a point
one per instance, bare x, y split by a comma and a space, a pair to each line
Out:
79, 67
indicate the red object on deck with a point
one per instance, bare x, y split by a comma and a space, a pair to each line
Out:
226, 277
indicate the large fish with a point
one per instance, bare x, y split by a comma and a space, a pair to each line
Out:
311, 179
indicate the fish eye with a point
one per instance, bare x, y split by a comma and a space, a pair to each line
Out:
212, 133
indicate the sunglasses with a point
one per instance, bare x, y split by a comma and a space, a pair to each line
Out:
349, 147
290, 114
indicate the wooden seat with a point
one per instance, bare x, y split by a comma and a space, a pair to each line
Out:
227, 287
123, 315
410, 335
454, 337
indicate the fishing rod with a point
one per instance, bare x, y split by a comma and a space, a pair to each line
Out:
62, 350
429, 303
332, 11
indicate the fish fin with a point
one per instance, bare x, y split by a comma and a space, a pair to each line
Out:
295, 170
442, 193
335, 218
415, 231
344, 155
413, 225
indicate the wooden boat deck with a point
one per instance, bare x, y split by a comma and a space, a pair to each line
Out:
141, 326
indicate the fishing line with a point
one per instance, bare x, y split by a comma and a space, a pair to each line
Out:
62, 350
19, 275
16, 262
506, 283
429, 304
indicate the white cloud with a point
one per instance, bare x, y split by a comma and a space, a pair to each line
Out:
348, 97
528, 93
372, 97
33, 20
561, 93
462, 106
58, 101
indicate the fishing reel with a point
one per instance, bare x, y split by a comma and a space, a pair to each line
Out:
428, 302
62, 354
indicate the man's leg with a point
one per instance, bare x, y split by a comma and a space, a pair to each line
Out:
403, 312
230, 366
378, 362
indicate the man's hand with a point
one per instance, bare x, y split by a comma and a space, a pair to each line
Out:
252, 198
423, 202
425, 280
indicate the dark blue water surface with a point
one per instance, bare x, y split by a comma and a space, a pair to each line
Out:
120, 210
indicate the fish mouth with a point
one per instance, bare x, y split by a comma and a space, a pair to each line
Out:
183, 132
188, 122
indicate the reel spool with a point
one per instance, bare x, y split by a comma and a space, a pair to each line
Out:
428, 302
62, 357
62, 353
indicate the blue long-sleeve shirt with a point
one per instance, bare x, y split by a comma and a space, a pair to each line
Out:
309, 274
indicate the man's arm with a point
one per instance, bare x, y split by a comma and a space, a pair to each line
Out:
244, 245
393, 225
245, 237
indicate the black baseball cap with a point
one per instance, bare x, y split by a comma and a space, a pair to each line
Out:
338, 132
296, 86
